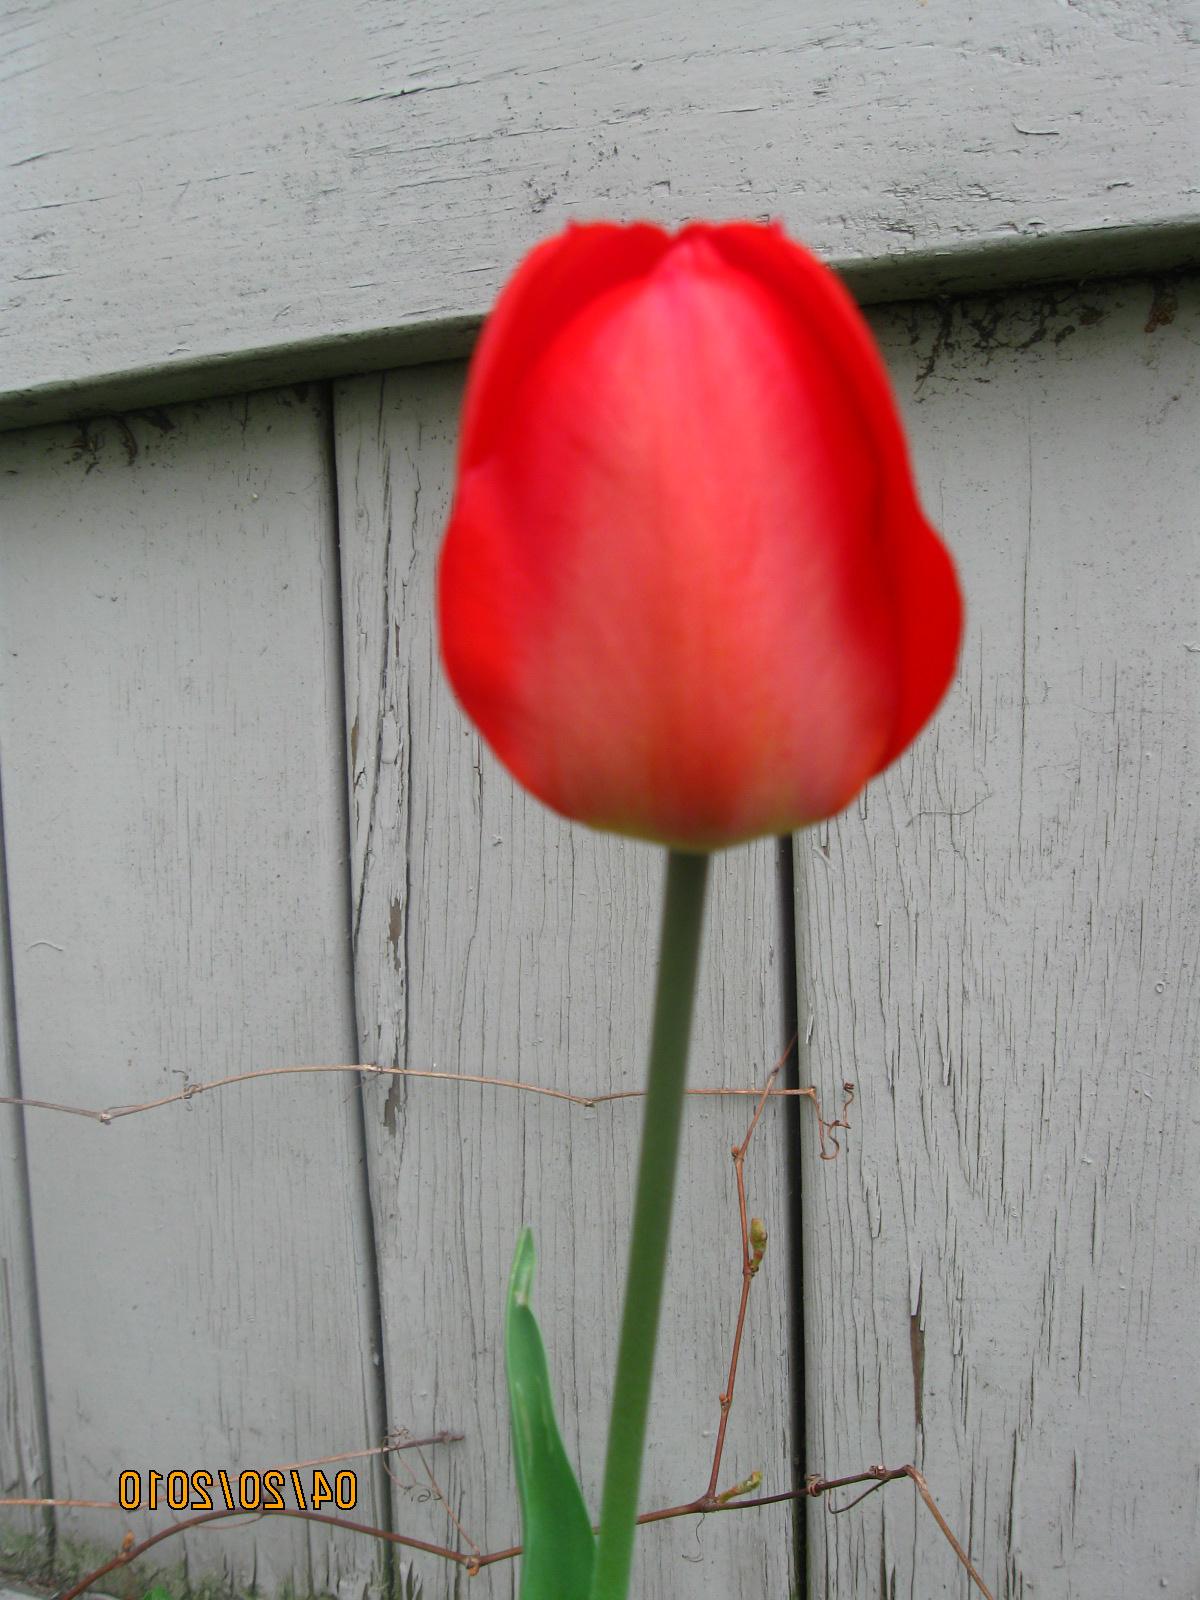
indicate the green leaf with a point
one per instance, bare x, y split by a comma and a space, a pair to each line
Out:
555, 1529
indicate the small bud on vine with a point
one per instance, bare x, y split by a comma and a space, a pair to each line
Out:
758, 1243
747, 1486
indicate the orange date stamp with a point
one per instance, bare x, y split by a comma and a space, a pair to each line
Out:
277, 1489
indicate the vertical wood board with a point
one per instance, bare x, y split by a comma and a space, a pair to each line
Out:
23, 1465
175, 828
1000, 944
493, 938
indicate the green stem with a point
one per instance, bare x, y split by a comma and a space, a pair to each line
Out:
678, 960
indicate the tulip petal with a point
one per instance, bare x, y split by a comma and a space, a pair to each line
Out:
556, 280
687, 591
925, 591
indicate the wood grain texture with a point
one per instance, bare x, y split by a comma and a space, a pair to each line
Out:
196, 183
175, 833
493, 938
1000, 945
23, 1452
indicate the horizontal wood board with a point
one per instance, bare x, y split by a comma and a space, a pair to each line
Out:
1000, 945
494, 938
174, 811
217, 195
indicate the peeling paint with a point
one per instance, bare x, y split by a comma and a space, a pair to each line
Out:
1163, 307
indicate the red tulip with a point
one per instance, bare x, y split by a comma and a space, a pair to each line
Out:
687, 591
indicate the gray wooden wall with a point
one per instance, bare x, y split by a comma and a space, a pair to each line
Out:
245, 825
207, 199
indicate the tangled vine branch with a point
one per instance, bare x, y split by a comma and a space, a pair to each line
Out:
107, 1115
739, 1497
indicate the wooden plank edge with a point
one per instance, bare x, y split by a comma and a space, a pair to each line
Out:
27, 1536
997, 262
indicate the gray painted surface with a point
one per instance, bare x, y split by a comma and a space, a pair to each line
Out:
969, 267
192, 184
491, 937
175, 826
23, 1463
1001, 944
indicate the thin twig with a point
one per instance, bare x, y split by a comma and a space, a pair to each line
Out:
923, 1491
396, 1440
877, 1477
710, 1501
125, 1556
110, 1114
393, 1442
85, 1505
473, 1564
409, 1482
404, 1443
749, 1268
825, 1129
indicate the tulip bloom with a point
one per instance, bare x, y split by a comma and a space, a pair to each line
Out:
687, 591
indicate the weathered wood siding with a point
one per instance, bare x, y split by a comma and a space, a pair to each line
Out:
493, 938
198, 191
174, 818
22, 1424
1000, 945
